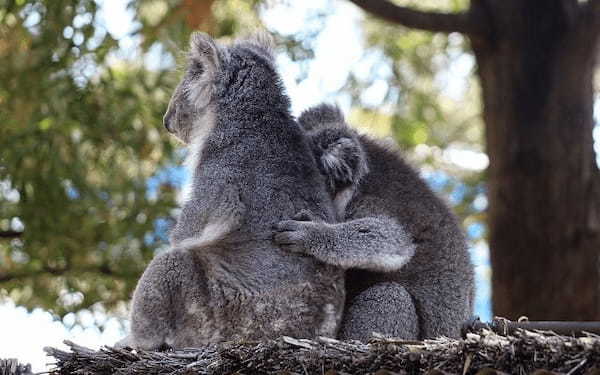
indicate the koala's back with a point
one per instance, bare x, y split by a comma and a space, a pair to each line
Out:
275, 173
252, 289
440, 271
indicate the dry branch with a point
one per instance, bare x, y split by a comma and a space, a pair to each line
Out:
10, 234
416, 19
522, 352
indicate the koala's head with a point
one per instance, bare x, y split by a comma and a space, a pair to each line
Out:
336, 146
321, 116
341, 156
210, 70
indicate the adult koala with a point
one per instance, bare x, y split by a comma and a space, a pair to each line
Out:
409, 273
251, 165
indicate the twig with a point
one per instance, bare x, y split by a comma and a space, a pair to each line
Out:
9, 234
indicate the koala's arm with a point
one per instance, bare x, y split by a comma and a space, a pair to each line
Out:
377, 243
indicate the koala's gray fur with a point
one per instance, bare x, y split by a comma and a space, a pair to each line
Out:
408, 269
251, 164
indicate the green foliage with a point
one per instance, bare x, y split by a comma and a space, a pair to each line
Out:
80, 138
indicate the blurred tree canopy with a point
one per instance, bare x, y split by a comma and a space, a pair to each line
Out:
87, 184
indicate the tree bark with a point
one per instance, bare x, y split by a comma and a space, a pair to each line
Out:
536, 71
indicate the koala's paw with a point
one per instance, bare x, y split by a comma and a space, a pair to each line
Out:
296, 235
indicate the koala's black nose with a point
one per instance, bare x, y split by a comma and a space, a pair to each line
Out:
167, 119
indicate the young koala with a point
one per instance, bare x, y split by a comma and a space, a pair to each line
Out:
225, 279
408, 270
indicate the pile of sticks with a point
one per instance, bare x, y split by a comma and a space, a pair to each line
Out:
13, 367
484, 352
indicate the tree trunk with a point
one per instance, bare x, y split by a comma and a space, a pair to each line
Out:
536, 69
198, 14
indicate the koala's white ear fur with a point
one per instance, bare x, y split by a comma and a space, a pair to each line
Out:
263, 41
204, 50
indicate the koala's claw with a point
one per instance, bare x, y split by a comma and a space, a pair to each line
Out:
164, 348
288, 226
290, 241
292, 235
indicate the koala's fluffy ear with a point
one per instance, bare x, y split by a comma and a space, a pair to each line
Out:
263, 42
321, 116
204, 51
204, 62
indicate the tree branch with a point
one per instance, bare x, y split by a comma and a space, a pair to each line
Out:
415, 19
8, 234
592, 12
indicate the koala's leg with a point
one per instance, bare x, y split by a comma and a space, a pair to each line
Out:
385, 308
155, 299
371, 243
443, 301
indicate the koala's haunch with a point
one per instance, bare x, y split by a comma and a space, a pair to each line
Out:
409, 273
252, 166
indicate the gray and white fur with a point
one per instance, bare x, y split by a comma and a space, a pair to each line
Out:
252, 166
408, 270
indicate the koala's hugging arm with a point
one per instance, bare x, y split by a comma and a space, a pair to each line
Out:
376, 243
